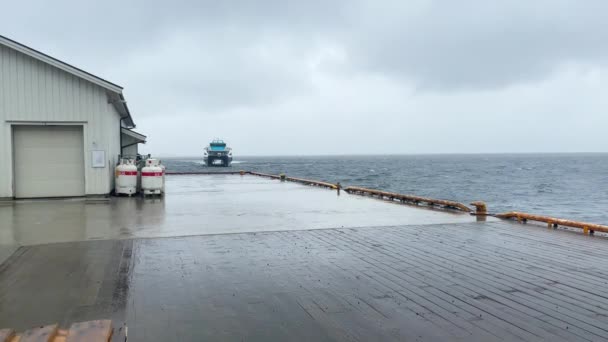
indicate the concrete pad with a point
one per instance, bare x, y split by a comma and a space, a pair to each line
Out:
206, 204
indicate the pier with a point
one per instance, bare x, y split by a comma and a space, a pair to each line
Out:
244, 257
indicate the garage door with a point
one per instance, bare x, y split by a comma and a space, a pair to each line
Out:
49, 161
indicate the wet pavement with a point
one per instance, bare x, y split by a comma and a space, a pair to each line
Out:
196, 205
6, 251
456, 280
64, 283
445, 282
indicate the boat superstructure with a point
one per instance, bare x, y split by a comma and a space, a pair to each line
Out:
217, 154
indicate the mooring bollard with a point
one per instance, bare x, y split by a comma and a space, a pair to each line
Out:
481, 210
242, 172
282, 176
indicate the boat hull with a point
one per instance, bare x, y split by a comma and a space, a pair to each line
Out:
218, 161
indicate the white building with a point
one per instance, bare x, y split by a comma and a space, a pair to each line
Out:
61, 128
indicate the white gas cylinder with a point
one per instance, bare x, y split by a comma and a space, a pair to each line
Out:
152, 177
126, 177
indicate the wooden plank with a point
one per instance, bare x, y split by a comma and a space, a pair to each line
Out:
41, 334
517, 298
91, 331
386, 271
6, 335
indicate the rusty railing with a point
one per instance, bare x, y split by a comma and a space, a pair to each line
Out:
186, 173
431, 202
552, 222
312, 182
294, 179
266, 175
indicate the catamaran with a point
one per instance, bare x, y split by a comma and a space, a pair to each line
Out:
217, 154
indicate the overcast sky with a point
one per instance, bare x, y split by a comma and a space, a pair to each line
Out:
313, 77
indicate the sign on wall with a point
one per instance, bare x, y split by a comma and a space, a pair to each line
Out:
98, 159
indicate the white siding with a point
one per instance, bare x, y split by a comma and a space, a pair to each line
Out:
34, 92
129, 150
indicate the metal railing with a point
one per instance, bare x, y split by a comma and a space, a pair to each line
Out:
295, 180
312, 182
391, 196
553, 222
267, 175
185, 173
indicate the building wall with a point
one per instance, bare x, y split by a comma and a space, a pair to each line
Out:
129, 150
32, 92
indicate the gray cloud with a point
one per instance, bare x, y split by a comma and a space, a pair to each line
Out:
390, 70
480, 44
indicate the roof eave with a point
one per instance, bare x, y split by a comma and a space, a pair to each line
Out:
138, 136
128, 120
119, 103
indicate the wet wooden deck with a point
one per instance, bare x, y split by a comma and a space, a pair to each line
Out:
462, 281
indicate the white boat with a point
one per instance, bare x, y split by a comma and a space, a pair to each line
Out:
217, 154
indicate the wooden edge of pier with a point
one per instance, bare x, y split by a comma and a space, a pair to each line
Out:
90, 331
